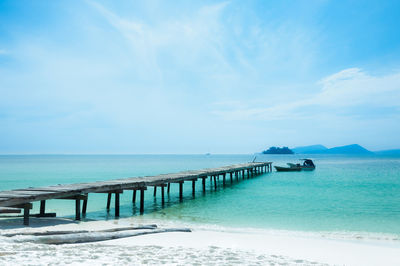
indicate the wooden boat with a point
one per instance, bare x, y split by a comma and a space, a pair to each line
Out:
287, 169
307, 165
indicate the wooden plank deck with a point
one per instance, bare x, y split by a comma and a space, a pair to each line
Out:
23, 197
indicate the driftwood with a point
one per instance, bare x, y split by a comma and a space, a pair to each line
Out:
95, 236
50, 233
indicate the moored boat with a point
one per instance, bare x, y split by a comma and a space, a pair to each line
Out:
287, 169
308, 165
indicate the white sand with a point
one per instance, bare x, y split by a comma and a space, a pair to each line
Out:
202, 246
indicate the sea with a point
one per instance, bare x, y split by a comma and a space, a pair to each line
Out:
346, 194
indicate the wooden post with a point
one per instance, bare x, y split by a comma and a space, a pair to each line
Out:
215, 182
162, 194
141, 201
26, 214
193, 187
231, 177
204, 184
181, 190
243, 173
77, 209
108, 202
169, 185
134, 196
223, 179
84, 207
42, 207
116, 204
155, 191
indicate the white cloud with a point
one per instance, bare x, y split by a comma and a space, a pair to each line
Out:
342, 92
183, 37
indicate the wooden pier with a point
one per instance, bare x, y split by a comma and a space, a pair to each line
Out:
13, 201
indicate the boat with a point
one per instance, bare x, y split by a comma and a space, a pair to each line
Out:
307, 165
287, 169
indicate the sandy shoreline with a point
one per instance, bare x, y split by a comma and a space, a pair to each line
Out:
201, 246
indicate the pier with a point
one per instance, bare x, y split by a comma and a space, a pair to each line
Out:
13, 201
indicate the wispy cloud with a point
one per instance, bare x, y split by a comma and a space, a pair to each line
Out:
186, 39
346, 92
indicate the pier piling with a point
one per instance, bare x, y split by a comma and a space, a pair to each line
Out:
22, 198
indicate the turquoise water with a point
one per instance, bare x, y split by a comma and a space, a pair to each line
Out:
344, 193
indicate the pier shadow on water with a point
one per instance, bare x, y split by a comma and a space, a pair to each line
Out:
15, 222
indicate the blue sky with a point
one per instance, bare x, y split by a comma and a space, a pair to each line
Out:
197, 76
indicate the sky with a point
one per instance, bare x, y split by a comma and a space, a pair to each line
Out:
149, 77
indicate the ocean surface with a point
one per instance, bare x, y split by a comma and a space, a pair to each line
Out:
344, 193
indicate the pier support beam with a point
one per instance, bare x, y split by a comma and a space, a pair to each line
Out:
42, 211
203, 181
109, 194
181, 190
193, 188
134, 196
77, 209
108, 202
84, 207
27, 208
162, 194
77, 199
223, 179
142, 200
42, 207
117, 204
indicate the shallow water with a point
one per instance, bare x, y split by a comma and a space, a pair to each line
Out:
344, 193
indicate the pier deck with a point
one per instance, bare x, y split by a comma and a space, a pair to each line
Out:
23, 198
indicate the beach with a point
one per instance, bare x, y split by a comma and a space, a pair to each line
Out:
343, 213
202, 246
199, 132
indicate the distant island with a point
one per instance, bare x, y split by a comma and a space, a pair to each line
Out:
277, 150
320, 149
355, 149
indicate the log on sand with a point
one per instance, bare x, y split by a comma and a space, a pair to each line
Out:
49, 233
95, 236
